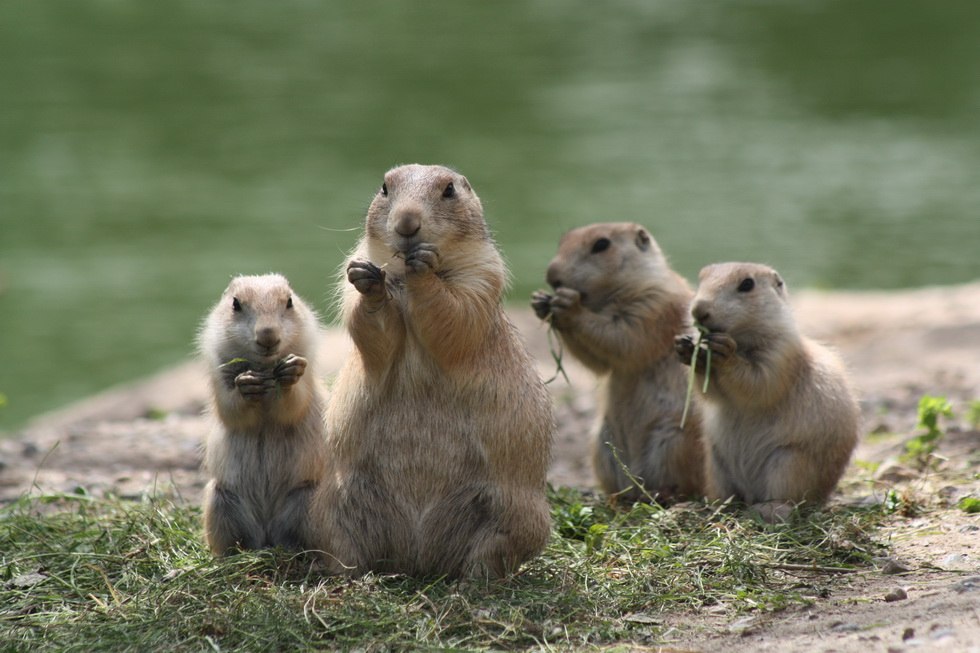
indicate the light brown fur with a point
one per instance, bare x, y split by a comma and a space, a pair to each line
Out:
781, 420
617, 306
439, 426
266, 451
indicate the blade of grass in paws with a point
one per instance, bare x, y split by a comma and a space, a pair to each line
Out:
234, 361
554, 346
691, 374
707, 365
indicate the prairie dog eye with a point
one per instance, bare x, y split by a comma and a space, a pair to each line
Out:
450, 190
384, 189
600, 245
747, 285
236, 305
289, 302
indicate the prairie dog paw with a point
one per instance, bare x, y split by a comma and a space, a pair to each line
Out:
422, 258
366, 277
684, 346
566, 302
541, 303
290, 370
721, 344
253, 386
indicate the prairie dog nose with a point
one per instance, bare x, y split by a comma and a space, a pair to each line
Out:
408, 223
552, 277
700, 312
267, 337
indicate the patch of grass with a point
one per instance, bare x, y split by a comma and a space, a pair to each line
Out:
969, 505
919, 450
78, 573
903, 503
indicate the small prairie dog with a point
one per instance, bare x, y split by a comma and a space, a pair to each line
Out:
266, 451
440, 429
780, 419
617, 307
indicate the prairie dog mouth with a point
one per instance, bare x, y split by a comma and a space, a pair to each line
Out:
402, 245
268, 355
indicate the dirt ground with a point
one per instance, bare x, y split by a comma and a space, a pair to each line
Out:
899, 346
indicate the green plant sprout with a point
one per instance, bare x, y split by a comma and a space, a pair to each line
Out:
702, 332
920, 448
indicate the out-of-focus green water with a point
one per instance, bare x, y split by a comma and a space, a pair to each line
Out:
150, 150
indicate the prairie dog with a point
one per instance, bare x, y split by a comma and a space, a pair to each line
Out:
266, 451
617, 306
440, 429
780, 419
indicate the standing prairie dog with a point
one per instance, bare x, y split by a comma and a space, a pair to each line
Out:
266, 452
780, 419
440, 429
617, 306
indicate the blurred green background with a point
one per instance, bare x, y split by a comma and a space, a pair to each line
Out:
150, 150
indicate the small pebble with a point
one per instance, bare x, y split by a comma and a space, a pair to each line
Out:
941, 633
892, 471
843, 627
908, 634
893, 566
897, 594
954, 561
968, 584
25, 581
743, 626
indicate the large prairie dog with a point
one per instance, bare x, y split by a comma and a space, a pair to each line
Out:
440, 429
266, 451
780, 419
617, 307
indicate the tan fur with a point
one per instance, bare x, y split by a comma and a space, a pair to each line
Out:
617, 308
439, 426
266, 451
781, 420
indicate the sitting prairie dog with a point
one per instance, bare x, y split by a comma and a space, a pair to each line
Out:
440, 429
266, 451
617, 307
780, 419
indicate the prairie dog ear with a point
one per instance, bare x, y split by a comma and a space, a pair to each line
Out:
465, 182
778, 283
642, 239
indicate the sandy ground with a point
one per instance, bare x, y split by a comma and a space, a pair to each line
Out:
899, 346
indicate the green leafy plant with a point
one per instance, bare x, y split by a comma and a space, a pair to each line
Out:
970, 505
919, 450
902, 503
